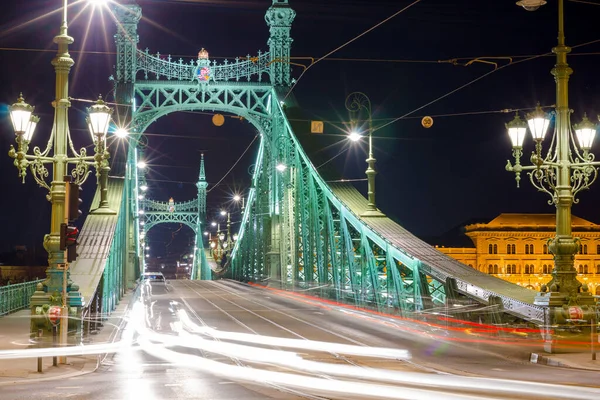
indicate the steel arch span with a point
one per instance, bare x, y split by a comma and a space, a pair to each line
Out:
297, 231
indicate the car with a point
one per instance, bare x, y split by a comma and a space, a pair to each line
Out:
154, 279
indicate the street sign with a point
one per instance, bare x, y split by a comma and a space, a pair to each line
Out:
316, 126
54, 314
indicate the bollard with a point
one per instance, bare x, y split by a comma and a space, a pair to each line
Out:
54, 337
39, 364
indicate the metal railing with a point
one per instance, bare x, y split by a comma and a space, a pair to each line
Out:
17, 296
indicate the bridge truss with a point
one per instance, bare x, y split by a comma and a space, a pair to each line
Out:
297, 232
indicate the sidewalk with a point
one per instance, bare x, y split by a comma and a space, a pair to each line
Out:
14, 334
581, 360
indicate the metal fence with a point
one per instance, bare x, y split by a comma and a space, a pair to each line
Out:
16, 297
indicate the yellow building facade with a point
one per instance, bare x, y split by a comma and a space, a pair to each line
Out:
514, 247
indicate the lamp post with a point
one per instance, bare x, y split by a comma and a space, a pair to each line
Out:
57, 154
355, 102
562, 172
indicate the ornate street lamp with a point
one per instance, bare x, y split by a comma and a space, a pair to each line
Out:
61, 154
355, 102
567, 168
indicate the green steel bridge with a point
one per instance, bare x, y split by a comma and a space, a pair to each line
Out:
297, 231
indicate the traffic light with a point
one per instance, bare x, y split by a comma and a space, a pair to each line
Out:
68, 241
73, 201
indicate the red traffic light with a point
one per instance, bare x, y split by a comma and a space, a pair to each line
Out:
68, 236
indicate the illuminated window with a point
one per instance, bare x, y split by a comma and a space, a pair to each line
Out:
547, 269
529, 269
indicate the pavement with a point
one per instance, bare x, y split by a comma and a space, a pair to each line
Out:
14, 334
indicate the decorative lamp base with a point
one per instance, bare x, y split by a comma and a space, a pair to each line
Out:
103, 211
372, 213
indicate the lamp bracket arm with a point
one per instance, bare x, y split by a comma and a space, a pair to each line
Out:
39, 172
39, 158
543, 181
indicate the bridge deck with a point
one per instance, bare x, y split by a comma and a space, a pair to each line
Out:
95, 241
470, 282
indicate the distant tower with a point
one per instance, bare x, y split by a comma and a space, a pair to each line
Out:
201, 185
279, 18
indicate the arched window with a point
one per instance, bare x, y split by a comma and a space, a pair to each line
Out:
547, 269
580, 269
545, 250
585, 249
529, 269
526, 249
496, 269
490, 268
508, 249
598, 249
491, 249
511, 269
531, 249
514, 248
585, 269
495, 249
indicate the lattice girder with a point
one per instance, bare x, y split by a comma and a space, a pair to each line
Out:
156, 99
186, 218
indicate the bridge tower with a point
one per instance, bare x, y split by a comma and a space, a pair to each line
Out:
128, 14
202, 185
279, 18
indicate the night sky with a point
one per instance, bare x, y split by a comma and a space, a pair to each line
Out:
429, 180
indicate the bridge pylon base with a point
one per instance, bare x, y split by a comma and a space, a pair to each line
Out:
568, 322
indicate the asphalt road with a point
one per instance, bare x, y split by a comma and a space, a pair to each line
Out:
225, 340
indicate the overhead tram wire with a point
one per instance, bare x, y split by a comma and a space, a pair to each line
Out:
347, 43
236, 163
453, 60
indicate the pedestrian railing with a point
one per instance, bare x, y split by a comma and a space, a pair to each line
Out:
17, 296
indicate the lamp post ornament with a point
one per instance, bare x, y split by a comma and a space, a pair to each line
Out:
57, 154
562, 172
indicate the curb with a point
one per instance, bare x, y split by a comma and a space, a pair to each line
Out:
536, 358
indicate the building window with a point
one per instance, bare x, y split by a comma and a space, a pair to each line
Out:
598, 249
508, 249
493, 269
511, 269
585, 249
511, 249
546, 249
528, 249
529, 269
583, 269
547, 269
491, 249
598, 269
495, 249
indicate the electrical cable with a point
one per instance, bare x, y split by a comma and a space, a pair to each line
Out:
456, 90
347, 43
236, 163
